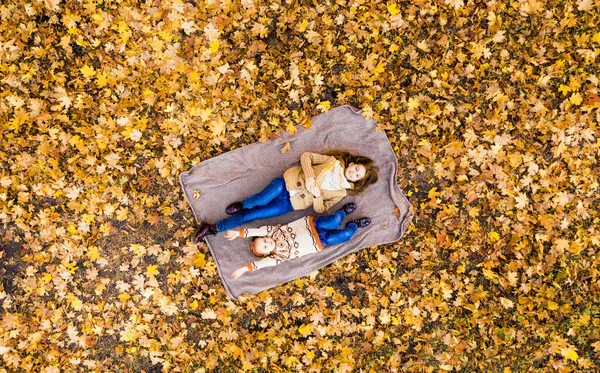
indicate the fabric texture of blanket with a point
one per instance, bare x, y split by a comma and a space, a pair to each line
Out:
235, 175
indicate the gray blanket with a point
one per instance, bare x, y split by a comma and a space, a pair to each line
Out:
215, 183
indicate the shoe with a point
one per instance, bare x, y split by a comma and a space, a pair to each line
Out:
234, 208
349, 207
205, 230
362, 222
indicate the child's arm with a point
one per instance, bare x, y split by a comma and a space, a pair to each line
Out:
318, 205
238, 272
250, 267
232, 234
253, 232
307, 159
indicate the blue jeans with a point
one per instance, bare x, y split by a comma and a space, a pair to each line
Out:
328, 232
274, 200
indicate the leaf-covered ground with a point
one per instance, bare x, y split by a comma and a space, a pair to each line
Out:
492, 108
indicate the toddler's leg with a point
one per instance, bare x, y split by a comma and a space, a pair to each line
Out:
337, 236
331, 221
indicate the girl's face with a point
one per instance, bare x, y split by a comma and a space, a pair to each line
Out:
354, 172
263, 246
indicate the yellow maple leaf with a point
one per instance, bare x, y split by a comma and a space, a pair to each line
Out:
393, 9
310, 355
214, 45
97, 17
313, 37
569, 353
71, 229
147, 93
305, 329
596, 38
152, 270
205, 114
433, 193
576, 98
379, 68
424, 46
128, 335
208, 314
506, 303
574, 84
585, 5
122, 214
247, 365
52, 4
217, 126
564, 89
493, 236
455, 3
88, 219
124, 297
290, 128
76, 303
489, 274
521, 201
552, 305
87, 71
193, 77
329, 291
575, 248
101, 144
101, 79
199, 260
307, 124
346, 352
71, 267
15, 124
137, 249
324, 106
93, 254
302, 26
76, 141
561, 244
285, 148
413, 103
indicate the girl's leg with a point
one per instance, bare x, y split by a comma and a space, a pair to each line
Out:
337, 236
263, 198
331, 221
278, 206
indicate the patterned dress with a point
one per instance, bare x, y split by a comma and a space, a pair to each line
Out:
292, 241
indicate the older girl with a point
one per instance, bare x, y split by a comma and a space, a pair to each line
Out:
320, 182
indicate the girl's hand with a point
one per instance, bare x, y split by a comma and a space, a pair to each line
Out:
232, 234
310, 183
315, 191
238, 272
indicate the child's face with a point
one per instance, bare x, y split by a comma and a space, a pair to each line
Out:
354, 172
263, 246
